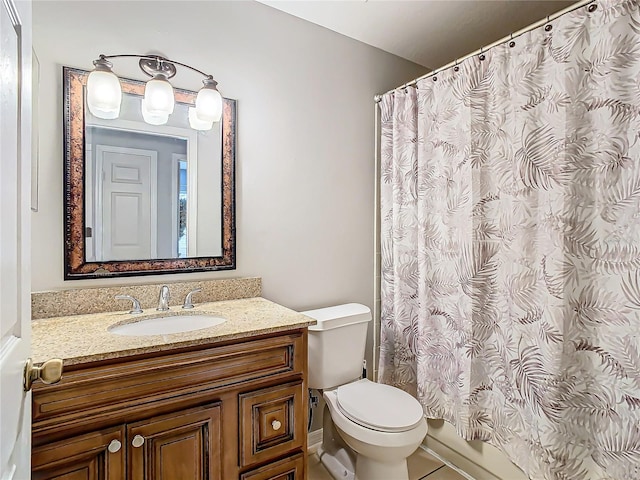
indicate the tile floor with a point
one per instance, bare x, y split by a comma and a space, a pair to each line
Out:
421, 466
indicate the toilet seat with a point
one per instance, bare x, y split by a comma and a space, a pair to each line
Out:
379, 407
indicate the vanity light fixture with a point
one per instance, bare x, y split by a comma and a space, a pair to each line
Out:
104, 93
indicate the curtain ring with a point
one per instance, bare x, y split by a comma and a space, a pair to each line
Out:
456, 68
548, 26
482, 56
511, 43
592, 8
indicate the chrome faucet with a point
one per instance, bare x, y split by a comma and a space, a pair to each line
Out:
163, 299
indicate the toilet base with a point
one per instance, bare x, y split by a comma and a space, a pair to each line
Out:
335, 455
337, 463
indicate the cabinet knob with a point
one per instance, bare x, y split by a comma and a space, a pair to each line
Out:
137, 441
114, 446
276, 425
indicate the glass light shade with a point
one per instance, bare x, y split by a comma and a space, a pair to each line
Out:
104, 94
196, 123
158, 96
209, 104
151, 118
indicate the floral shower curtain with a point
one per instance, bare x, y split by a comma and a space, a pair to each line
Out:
510, 243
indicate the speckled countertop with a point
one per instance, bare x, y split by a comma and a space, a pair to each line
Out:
85, 338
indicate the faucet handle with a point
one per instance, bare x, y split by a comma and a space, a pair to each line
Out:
187, 300
136, 304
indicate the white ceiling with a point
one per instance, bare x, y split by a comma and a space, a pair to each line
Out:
428, 32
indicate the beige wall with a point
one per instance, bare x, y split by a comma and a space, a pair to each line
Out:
305, 168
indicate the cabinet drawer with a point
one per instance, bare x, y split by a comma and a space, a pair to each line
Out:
268, 424
288, 469
93, 456
115, 392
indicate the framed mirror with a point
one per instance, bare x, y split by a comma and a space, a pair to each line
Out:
143, 199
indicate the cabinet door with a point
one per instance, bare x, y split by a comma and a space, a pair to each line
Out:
288, 469
94, 456
182, 445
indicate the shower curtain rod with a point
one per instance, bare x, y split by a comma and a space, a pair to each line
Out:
481, 50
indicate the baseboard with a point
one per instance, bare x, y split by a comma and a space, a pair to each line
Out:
314, 439
482, 460
458, 462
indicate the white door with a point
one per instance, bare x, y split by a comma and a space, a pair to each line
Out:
129, 205
15, 234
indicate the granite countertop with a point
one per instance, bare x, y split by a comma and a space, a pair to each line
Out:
85, 338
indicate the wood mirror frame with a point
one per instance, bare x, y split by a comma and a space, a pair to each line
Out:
75, 265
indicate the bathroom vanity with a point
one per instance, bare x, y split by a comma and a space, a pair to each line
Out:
218, 403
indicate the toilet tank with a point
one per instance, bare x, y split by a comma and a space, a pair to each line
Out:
336, 344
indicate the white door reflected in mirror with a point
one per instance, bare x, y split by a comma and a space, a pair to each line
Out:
126, 203
146, 194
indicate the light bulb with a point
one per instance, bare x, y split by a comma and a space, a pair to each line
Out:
158, 96
196, 123
104, 93
209, 102
152, 118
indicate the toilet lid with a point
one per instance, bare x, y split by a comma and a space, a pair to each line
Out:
379, 407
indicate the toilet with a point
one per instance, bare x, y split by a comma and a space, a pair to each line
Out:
369, 429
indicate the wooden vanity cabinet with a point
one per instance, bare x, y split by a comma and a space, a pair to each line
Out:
233, 410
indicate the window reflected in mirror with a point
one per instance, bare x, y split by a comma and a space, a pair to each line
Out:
182, 209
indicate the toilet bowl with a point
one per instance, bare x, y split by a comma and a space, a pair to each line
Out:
369, 429
382, 424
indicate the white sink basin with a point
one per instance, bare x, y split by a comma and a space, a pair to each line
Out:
167, 325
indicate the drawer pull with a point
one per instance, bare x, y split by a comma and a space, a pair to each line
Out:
137, 441
114, 446
276, 425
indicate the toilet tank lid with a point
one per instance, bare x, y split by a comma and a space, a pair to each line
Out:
338, 316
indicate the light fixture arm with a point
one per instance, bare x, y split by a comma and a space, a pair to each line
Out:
156, 58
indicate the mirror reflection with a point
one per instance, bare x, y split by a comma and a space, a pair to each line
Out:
147, 195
